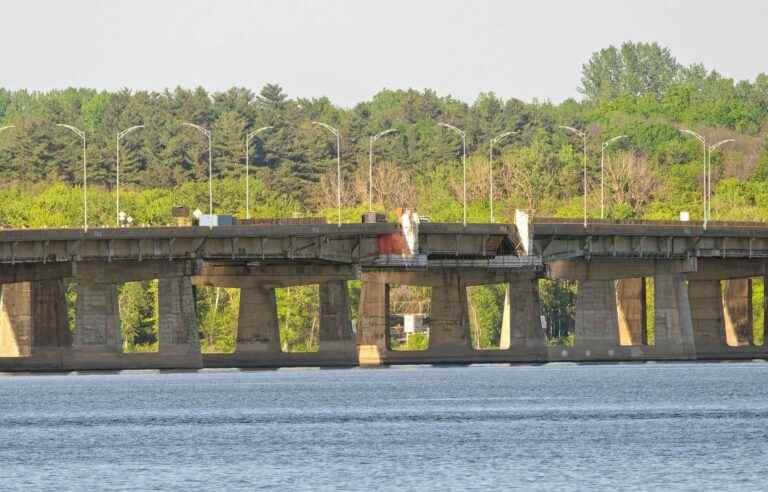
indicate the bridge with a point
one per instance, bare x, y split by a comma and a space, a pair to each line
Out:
701, 280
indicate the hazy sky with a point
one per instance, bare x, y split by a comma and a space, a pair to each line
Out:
350, 49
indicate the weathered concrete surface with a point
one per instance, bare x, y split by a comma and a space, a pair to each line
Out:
737, 312
372, 344
449, 325
449, 328
521, 330
707, 314
16, 323
630, 300
179, 337
258, 339
33, 319
270, 276
615, 268
257, 329
672, 317
336, 337
596, 316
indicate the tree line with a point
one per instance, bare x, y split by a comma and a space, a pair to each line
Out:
637, 89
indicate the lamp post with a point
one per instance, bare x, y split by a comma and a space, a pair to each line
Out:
494, 140
709, 171
373, 139
584, 141
335, 132
248, 139
602, 171
81, 134
703, 141
463, 135
119, 137
206, 132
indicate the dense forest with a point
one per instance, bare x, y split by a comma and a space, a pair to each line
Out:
638, 90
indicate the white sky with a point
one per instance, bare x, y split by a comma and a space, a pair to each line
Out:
350, 49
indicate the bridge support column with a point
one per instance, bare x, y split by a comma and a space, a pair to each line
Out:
707, 315
336, 337
448, 328
33, 319
737, 303
596, 317
521, 329
178, 322
630, 300
258, 331
372, 326
97, 327
673, 325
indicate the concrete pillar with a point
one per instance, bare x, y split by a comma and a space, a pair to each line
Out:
335, 325
257, 328
707, 313
33, 318
97, 319
630, 302
596, 315
673, 325
16, 320
449, 321
372, 325
521, 323
737, 312
178, 318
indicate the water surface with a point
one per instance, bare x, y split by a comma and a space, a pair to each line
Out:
554, 427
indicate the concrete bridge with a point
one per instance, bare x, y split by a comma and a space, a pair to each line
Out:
701, 280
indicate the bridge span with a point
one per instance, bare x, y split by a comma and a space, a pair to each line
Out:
700, 303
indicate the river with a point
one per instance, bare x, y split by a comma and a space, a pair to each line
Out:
558, 427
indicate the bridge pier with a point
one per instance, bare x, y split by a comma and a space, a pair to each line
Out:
98, 341
597, 322
449, 326
522, 339
737, 312
178, 332
33, 325
610, 310
630, 300
707, 315
258, 334
372, 343
673, 325
336, 336
521, 330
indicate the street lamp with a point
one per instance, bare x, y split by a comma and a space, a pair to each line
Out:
81, 134
206, 132
463, 162
584, 141
602, 171
703, 141
335, 132
494, 140
373, 139
248, 139
709, 170
119, 137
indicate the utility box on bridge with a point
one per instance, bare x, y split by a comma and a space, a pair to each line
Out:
207, 220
